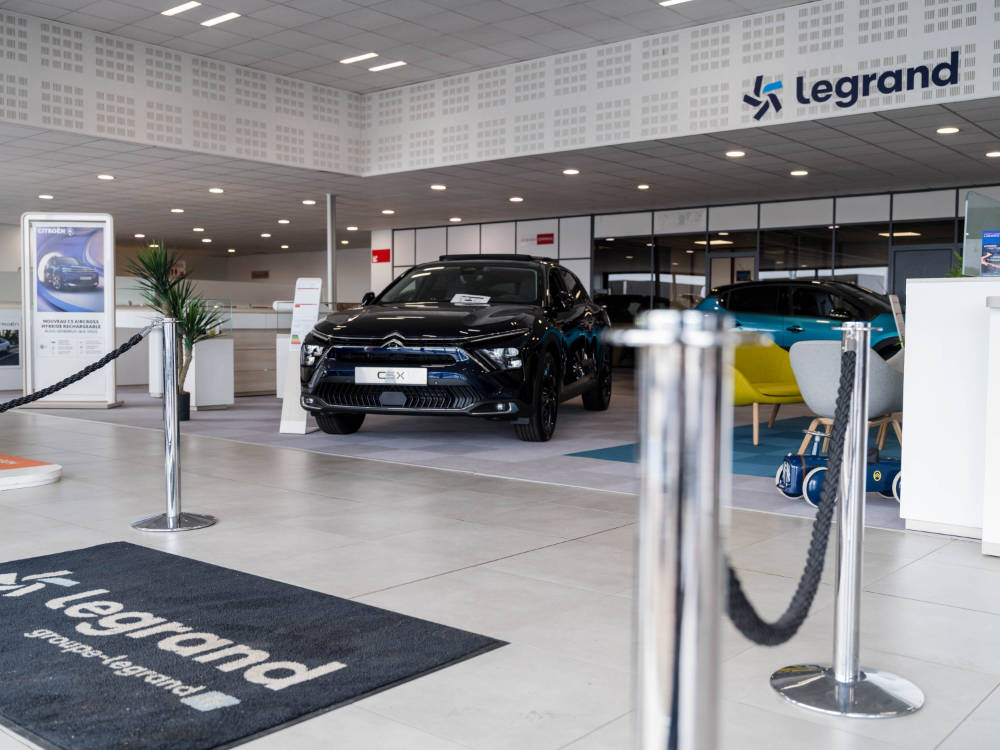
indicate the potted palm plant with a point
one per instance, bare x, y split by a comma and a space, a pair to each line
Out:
173, 295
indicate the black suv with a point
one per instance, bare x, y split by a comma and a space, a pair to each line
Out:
495, 336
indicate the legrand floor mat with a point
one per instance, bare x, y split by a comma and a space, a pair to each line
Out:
121, 646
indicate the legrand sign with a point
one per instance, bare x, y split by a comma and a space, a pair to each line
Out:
848, 90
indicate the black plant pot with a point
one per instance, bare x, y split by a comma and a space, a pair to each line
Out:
183, 407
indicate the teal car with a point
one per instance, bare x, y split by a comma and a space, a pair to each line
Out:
793, 310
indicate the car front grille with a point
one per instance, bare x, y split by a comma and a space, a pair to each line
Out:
413, 396
388, 356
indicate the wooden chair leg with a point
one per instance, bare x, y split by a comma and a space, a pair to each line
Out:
898, 429
756, 423
806, 439
883, 433
774, 416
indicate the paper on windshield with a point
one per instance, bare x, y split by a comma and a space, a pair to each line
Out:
470, 299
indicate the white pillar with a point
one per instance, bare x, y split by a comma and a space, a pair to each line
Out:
331, 248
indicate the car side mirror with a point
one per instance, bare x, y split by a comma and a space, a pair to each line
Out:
367, 299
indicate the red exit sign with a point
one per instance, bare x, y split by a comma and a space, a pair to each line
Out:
381, 256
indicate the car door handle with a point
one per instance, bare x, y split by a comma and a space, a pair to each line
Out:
795, 329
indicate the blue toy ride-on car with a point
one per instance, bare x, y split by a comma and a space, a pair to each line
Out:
801, 476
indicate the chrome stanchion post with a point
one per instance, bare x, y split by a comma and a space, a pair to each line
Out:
173, 519
685, 424
845, 688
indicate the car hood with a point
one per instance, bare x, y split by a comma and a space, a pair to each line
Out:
427, 321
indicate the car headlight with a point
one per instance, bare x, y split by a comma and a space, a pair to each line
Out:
311, 353
504, 357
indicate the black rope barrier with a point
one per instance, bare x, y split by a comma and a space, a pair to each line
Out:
54, 388
739, 608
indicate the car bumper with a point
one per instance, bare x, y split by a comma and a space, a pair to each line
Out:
465, 388
81, 283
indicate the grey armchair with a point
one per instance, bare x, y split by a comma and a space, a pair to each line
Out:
816, 365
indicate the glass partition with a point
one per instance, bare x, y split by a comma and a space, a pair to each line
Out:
863, 255
679, 270
801, 252
622, 266
981, 245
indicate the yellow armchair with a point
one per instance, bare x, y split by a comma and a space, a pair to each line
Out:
763, 375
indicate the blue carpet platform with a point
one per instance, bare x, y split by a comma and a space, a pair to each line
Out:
753, 460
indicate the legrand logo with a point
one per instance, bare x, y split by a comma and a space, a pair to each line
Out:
848, 90
103, 618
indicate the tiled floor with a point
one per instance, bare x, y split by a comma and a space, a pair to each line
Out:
547, 568
490, 448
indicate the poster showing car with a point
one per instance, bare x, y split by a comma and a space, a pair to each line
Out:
70, 272
10, 339
68, 305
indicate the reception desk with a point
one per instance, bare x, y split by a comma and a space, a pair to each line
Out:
951, 428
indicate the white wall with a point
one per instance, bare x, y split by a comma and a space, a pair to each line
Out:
353, 273
10, 247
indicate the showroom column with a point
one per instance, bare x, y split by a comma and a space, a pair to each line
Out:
331, 248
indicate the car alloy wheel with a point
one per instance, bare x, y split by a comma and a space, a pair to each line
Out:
549, 406
56, 282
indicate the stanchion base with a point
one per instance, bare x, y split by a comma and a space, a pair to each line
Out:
183, 522
875, 695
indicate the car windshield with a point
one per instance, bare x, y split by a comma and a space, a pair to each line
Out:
69, 262
870, 299
495, 282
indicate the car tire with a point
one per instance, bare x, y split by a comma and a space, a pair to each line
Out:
541, 423
598, 398
56, 283
340, 424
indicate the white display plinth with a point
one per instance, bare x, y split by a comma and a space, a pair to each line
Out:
210, 378
947, 429
991, 441
280, 357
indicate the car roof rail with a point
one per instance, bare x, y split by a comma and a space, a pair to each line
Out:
494, 256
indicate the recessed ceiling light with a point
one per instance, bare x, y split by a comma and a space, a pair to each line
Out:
668, 3
712, 242
231, 250
949, 130
386, 66
139, 236
197, 229
105, 177
284, 247
629, 257
989, 155
736, 154
723, 234
675, 263
206, 240
352, 229
47, 197
308, 202
515, 199
899, 234
154, 244
798, 173
609, 239
643, 186
176, 210
343, 242
216, 190
265, 235
388, 211
571, 171
439, 187
284, 221
220, 19
359, 58
691, 252
833, 226
455, 218
179, 8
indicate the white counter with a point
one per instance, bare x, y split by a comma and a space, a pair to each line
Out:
946, 429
